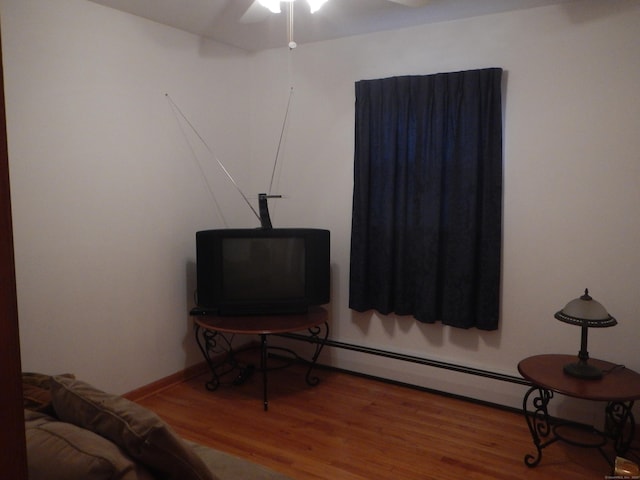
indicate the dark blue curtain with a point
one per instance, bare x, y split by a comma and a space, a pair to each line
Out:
427, 201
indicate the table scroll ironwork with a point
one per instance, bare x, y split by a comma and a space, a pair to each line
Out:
214, 337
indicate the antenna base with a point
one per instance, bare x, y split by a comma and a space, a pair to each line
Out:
265, 219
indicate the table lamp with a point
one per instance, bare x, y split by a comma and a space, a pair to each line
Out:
586, 313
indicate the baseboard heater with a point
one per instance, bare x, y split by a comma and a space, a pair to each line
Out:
412, 359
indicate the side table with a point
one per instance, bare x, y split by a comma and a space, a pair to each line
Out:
210, 329
619, 387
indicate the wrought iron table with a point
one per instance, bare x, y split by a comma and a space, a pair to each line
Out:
619, 387
210, 330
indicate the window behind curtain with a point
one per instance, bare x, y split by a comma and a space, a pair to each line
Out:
427, 202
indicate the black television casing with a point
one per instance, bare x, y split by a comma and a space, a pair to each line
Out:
262, 271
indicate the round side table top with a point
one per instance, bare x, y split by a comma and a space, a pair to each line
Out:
263, 324
618, 383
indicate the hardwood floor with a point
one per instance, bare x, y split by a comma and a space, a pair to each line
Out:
354, 428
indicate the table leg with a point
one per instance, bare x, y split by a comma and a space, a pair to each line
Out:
620, 425
319, 341
263, 366
207, 342
538, 422
220, 357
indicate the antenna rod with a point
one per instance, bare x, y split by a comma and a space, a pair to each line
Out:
284, 123
213, 155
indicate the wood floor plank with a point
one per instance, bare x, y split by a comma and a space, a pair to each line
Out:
354, 428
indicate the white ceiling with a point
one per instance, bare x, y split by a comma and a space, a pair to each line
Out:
221, 19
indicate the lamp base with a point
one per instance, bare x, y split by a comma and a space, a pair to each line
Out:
583, 370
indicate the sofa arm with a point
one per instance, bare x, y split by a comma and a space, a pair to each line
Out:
229, 467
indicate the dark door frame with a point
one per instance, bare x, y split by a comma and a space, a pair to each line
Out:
13, 461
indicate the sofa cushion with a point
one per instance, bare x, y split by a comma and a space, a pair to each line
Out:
137, 430
36, 398
36, 392
62, 451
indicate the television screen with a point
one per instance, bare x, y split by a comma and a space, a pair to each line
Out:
262, 271
263, 268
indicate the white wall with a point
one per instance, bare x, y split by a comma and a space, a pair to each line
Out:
106, 190
107, 197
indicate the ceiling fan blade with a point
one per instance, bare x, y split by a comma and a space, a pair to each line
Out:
255, 13
411, 3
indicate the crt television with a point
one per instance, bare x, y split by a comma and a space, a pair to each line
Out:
261, 271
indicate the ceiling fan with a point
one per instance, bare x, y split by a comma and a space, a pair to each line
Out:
260, 9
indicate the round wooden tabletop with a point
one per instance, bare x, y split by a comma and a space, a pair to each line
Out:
618, 383
263, 324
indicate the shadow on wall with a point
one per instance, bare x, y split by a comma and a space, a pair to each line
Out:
189, 344
578, 13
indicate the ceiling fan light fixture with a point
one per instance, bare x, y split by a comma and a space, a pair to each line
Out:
315, 5
272, 5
